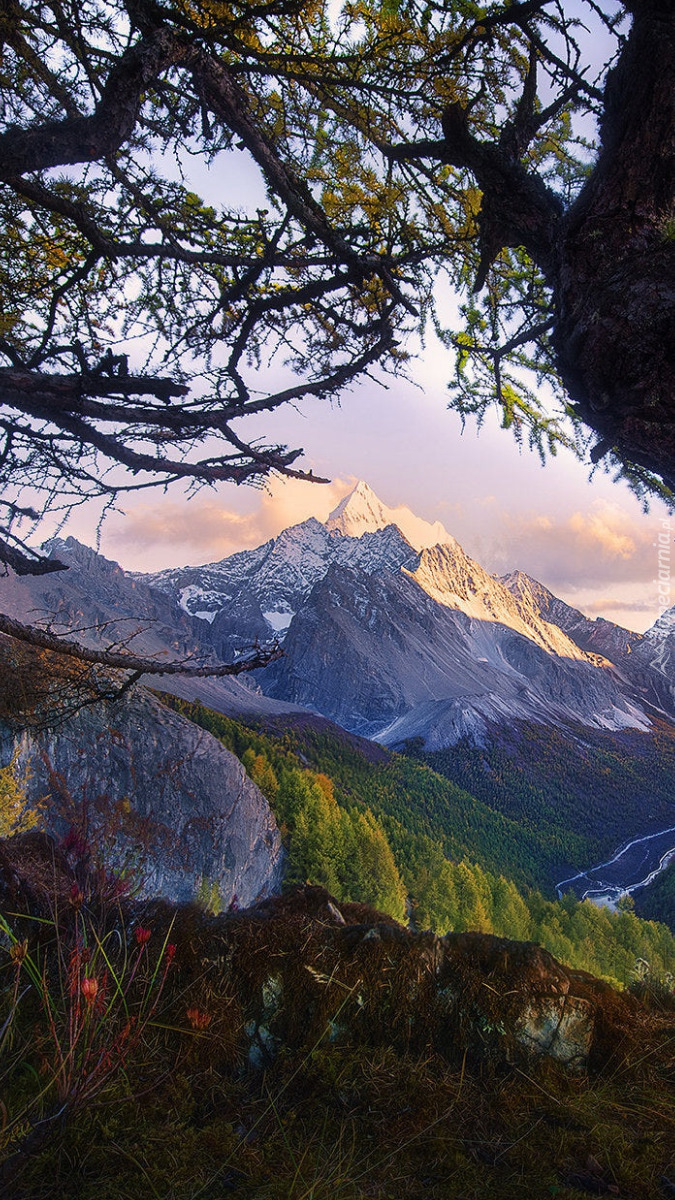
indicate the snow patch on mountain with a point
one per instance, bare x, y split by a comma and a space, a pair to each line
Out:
279, 621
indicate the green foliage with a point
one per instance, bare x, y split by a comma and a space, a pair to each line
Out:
16, 815
209, 896
657, 902
338, 112
581, 795
382, 828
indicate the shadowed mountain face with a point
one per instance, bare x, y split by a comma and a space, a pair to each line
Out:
380, 656
97, 603
389, 635
655, 654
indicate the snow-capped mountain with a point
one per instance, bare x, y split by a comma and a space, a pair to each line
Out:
382, 657
99, 604
394, 638
390, 639
645, 660
663, 629
655, 654
277, 577
454, 580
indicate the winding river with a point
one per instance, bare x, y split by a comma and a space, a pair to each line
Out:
635, 865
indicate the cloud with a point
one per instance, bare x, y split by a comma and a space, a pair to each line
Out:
606, 604
601, 546
150, 536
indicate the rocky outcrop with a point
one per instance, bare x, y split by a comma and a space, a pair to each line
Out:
310, 962
175, 805
304, 968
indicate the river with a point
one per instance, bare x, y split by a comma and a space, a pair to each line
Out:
635, 865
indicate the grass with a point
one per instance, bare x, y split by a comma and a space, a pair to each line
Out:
381, 1115
341, 1126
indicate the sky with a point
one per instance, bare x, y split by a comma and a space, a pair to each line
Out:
588, 541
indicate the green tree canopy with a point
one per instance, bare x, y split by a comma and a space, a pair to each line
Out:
392, 140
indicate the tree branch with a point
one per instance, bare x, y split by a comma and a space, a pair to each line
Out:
32, 390
518, 208
122, 660
86, 139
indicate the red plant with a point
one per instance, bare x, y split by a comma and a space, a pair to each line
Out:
199, 1019
89, 988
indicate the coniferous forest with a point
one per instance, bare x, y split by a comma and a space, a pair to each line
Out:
382, 828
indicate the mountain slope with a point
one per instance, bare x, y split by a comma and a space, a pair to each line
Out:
380, 656
645, 661
440, 656
655, 653
597, 636
97, 603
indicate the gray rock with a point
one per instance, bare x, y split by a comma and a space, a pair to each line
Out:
164, 793
559, 1027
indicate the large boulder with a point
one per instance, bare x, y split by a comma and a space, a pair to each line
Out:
153, 794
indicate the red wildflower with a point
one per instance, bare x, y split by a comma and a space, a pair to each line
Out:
143, 935
170, 952
89, 989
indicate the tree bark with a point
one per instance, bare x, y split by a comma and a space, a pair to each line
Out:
614, 281
610, 258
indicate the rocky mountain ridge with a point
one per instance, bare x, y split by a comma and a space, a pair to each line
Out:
389, 639
273, 580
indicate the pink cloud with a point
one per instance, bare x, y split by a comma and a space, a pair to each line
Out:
603, 545
150, 536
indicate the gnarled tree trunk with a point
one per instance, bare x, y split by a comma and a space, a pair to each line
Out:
614, 278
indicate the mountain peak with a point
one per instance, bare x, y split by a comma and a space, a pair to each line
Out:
361, 511
664, 626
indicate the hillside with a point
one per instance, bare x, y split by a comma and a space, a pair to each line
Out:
580, 785
373, 826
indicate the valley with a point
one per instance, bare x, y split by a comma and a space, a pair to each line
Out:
633, 867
